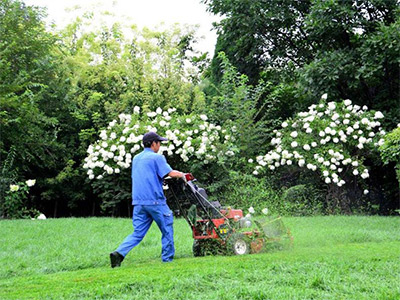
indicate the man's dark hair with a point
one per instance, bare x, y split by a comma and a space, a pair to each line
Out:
147, 144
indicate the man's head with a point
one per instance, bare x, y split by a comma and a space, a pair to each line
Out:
151, 137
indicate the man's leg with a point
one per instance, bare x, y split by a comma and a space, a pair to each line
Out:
141, 224
164, 219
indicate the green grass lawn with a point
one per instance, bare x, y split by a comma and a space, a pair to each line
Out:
335, 257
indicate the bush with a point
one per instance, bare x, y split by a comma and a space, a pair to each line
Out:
243, 191
390, 150
302, 200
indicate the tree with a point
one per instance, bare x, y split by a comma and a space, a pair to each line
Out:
31, 92
348, 49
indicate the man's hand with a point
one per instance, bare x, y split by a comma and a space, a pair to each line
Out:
178, 174
184, 178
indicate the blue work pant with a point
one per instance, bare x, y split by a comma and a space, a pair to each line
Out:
143, 216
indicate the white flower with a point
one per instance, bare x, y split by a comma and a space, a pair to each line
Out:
327, 180
355, 172
30, 182
151, 114
293, 134
354, 163
378, 115
350, 130
294, 144
203, 117
321, 134
250, 160
364, 121
301, 162
364, 175
324, 96
251, 210
158, 110
308, 130
188, 120
255, 173
306, 147
265, 211
366, 192
41, 217
347, 102
284, 124
14, 187
136, 110
346, 121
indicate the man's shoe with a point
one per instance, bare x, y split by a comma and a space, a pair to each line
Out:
116, 259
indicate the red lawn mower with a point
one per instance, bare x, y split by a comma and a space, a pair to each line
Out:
217, 229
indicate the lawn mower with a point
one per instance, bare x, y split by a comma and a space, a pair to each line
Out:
217, 229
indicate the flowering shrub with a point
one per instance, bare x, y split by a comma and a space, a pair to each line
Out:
190, 137
14, 200
331, 138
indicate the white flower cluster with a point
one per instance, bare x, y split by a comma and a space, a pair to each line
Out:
29, 183
189, 136
252, 211
324, 138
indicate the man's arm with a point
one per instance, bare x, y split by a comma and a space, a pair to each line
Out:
176, 174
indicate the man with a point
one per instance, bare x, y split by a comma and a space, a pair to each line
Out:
148, 172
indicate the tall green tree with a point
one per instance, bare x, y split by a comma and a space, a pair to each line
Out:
31, 92
348, 49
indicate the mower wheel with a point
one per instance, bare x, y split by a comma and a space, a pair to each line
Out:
238, 244
198, 248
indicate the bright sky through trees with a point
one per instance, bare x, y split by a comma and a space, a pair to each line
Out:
149, 13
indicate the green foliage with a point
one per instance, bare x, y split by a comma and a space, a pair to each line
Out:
302, 200
348, 49
8, 176
14, 203
57, 90
242, 191
390, 150
27, 73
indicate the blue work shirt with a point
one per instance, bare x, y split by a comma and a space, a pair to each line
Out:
148, 171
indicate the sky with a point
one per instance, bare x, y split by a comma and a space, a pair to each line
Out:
143, 13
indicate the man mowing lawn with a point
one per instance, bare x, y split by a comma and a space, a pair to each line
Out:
149, 202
